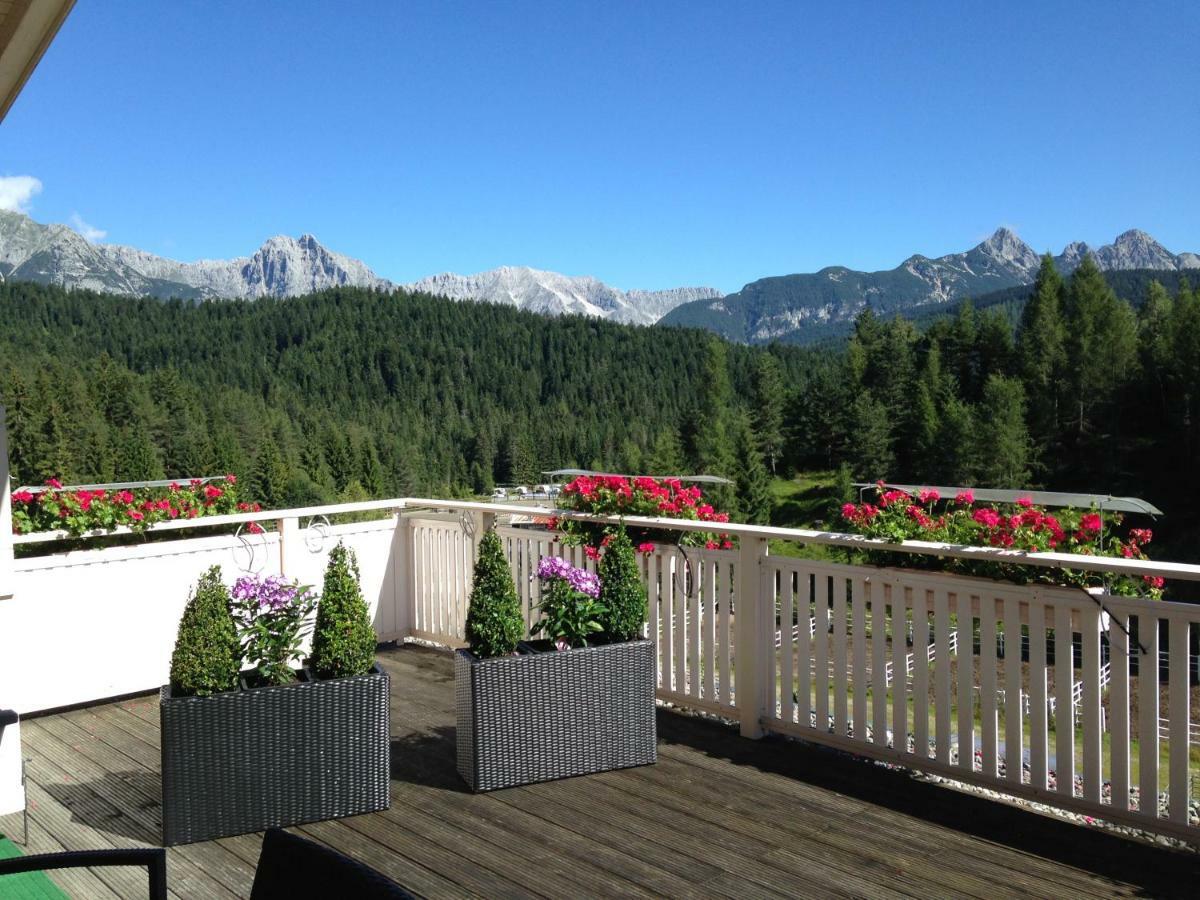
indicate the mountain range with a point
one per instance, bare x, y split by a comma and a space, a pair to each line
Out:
784, 307
287, 267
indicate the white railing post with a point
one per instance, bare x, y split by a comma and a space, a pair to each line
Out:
289, 538
6, 541
403, 576
751, 625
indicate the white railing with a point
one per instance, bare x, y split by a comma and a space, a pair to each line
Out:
728, 625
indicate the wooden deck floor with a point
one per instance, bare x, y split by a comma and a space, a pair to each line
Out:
718, 816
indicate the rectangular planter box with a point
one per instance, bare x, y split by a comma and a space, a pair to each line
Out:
281, 755
541, 716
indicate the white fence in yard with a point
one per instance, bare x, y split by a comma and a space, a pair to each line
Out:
779, 644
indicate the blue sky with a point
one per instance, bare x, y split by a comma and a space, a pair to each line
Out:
651, 144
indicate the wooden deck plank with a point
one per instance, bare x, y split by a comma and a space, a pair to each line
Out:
718, 816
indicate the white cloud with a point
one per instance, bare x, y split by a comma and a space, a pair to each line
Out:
90, 232
17, 190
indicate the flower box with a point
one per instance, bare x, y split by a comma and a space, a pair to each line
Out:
541, 716
278, 755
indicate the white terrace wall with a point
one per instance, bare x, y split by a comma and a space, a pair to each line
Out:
91, 624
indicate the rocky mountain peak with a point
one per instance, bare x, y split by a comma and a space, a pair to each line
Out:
1135, 249
1004, 246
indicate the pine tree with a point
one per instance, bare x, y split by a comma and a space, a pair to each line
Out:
370, 471
871, 456
494, 621
666, 456
956, 461
766, 408
1002, 440
1040, 354
1101, 343
753, 484
269, 477
714, 441
136, 459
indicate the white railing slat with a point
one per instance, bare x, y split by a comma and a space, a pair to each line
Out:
1090, 695
787, 648
966, 681
1178, 701
1038, 702
823, 595
941, 619
859, 638
920, 652
900, 675
987, 685
804, 645
1014, 714
840, 716
1148, 716
879, 685
1064, 715
1118, 704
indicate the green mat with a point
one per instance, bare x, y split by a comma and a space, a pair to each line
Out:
27, 885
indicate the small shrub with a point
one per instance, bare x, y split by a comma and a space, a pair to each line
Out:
207, 657
494, 621
343, 640
622, 594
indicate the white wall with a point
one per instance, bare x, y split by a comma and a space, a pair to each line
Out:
93, 624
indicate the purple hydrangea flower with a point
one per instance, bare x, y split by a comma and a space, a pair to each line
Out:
554, 568
273, 593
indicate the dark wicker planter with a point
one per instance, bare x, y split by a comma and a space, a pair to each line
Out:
248, 760
541, 716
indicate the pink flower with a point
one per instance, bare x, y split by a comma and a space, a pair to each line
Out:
1025, 502
1155, 581
54, 483
22, 497
988, 517
1090, 522
965, 498
710, 545
848, 511
646, 547
174, 487
929, 496
136, 516
591, 552
232, 479
212, 493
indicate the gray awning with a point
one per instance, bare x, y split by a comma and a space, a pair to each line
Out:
124, 485
572, 473
1105, 502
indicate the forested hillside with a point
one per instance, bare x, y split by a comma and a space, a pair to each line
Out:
350, 392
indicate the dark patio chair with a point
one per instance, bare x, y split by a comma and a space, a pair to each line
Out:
298, 869
154, 858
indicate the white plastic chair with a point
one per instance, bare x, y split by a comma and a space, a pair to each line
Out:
12, 770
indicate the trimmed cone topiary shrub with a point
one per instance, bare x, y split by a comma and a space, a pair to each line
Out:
343, 638
622, 593
494, 620
207, 655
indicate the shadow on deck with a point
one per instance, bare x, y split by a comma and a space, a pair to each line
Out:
718, 816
